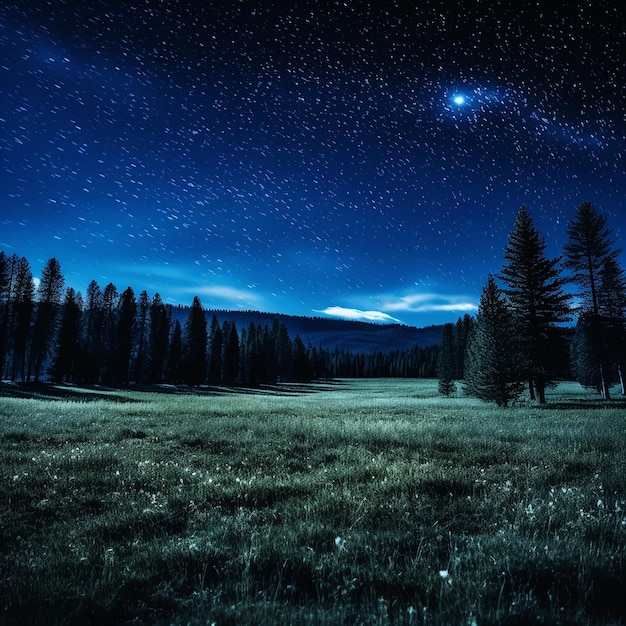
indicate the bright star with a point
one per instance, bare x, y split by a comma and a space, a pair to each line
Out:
459, 100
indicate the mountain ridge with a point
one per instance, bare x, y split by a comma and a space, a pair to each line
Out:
330, 333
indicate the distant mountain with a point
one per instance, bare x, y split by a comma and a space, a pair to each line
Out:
330, 333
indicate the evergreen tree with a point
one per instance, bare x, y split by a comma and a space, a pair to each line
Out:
21, 296
302, 369
93, 334
284, 350
142, 349
494, 366
216, 341
68, 344
109, 338
5, 304
612, 306
535, 292
195, 345
254, 358
588, 351
230, 358
592, 258
124, 344
461, 336
173, 372
242, 376
49, 295
158, 339
445, 365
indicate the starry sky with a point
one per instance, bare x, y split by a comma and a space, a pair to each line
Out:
352, 159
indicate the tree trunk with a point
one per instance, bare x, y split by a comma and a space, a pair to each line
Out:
606, 394
541, 390
621, 378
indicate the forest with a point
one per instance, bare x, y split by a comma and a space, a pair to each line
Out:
522, 336
53, 333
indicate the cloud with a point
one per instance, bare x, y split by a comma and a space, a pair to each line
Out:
428, 303
241, 298
356, 314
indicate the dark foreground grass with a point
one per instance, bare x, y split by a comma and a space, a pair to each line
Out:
361, 503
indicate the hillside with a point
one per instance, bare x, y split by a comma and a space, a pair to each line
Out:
329, 333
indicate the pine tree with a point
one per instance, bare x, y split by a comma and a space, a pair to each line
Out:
612, 306
173, 372
93, 334
302, 369
125, 335
5, 304
21, 296
68, 344
195, 345
592, 258
445, 363
216, 341
158, 339
109, 338
254, 358
142, 349
535, 292
588, 351
494, 369
461, 336
284, 350
49, 295
230, 357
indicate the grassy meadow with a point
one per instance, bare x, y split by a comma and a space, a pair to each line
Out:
351, 502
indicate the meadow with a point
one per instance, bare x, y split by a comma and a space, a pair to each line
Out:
347, 502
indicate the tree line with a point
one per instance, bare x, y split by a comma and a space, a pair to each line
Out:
520, 338
105, 337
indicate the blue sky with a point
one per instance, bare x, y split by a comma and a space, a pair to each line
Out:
339, 159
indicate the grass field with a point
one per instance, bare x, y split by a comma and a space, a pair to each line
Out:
356, 502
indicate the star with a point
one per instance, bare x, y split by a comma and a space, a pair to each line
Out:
458, 99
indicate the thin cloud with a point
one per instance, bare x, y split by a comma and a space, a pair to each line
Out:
230, 295
429, 302
358, 315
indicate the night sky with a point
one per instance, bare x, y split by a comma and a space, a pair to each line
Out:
358, 159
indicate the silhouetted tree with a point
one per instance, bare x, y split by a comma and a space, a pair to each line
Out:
535, 292
461, 336
174, 373
124, 343
589, 351
302, 370
494, 367
591, 257
142, 331
158, 340
68, 343
49, 295
252, 358
5, 305
93, 354
284, 350
230, 359
216, 341
195, 345
21, 296
445, 366
110, 314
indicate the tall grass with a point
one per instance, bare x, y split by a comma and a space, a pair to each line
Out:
364, 502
